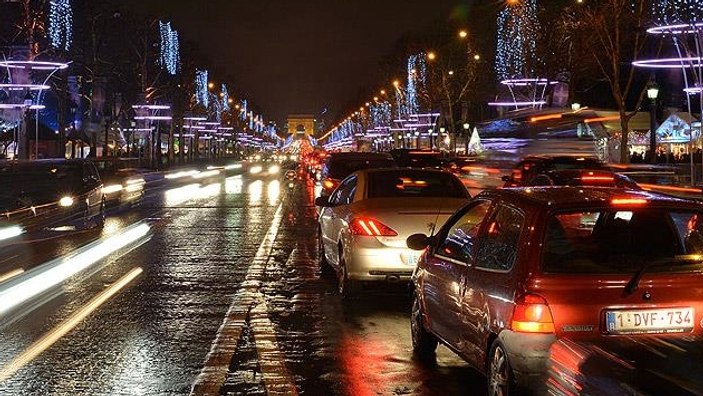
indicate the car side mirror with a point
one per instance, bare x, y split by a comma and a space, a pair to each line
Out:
323, 202
506, 178
419, 241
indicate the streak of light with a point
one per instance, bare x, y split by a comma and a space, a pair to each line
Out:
179, 195
69, 324
181, 174
256, 191
11, 274
234, 185
10, 232
655, 187
210, 173
41, 279
273, 191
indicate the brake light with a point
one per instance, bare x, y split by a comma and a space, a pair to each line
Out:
365, 226
532, 315
597, 178
628, 201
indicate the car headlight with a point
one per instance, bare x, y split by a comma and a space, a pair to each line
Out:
112, 188
274, 169
254, 170
66, 201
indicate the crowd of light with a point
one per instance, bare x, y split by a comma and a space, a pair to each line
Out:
417, 78
61, 24
668, 12
170, 58
201, 87
516, 52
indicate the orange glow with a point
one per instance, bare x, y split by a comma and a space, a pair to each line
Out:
651, 187
481, 168
601, 119
532, 315
329, 184
546, 117
629, 201
370, 227
594, 178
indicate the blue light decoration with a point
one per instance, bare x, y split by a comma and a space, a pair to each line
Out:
518, 27
225, 98
417, 78
61, 24
170, 58
381, 115
668, 12
243, 111
201, 93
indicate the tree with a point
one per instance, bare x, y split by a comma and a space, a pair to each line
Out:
614, 34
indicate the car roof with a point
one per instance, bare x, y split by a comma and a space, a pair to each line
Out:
582, 197
362, 155
404, 169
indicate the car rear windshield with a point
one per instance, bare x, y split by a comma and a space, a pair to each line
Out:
623, 241
410, 183
342, 167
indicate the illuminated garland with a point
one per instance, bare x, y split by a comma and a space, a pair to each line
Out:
201, 81
516, 52
381, 115
170, 58
61, 24
225, 98
678, 11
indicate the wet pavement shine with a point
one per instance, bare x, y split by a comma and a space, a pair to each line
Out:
224, 295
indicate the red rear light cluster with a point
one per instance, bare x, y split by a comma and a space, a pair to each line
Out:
595, 178
329, 184
532, 315
366, 226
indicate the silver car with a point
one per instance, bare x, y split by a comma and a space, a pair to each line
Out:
365, 221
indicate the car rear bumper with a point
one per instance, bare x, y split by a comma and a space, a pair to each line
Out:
528, 355
381, 263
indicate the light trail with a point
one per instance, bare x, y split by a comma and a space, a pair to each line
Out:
69, 324
11, 274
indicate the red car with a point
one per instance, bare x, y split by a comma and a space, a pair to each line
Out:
520, 268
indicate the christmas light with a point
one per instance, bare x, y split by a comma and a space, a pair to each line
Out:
170, 49
61, 24
417, 74
201, 93
518, 28
225, 98
677, 11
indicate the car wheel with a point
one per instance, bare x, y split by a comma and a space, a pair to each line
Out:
347, 288
424, 342
500, 376
325, 267
99, 219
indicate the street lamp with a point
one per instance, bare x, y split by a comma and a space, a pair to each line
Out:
431, 56
652, 94
463, 34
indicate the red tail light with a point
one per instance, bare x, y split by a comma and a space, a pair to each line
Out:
329, 184
366, 226
532, 315
594, 178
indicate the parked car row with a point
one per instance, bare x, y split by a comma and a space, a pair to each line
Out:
566, 250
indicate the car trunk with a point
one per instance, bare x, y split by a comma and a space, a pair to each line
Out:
589, 306
407, 216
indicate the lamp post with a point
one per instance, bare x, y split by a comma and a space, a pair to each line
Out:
467, 137
652, 94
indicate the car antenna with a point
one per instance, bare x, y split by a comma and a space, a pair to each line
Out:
436, 219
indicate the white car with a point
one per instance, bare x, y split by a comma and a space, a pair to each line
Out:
366, 220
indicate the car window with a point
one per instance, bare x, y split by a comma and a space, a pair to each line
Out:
498, 246
541, 180
622, 241
414, 183
344, 194
460, 238
340, 168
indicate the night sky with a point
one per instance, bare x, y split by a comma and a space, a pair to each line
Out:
300, 56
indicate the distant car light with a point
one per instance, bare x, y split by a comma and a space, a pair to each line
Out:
274, 169
66, 201
10, 232
111, 189
255, 170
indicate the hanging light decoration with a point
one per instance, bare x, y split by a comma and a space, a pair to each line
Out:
518, 27
201, 81
61, 24
225, 98
170, 58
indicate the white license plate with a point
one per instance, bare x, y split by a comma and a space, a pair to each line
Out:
651, 321
412, 258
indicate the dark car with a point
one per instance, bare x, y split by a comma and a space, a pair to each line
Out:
123, 187
408, 158
340, 165
49, 193
518, 269
531, 167
584, 177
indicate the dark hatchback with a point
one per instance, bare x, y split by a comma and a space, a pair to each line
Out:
340, 165
49, 193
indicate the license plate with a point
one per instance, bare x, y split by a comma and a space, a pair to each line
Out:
413, 258
651, 321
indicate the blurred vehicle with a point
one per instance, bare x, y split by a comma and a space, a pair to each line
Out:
517, 269
532, 166
264, 169
49, 193
574, 178
340, 165
417, 158
364, 223
123, 187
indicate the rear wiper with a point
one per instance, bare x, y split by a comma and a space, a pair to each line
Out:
634, 283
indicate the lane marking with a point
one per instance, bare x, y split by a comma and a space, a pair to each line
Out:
250, 302
11, 274
59, 331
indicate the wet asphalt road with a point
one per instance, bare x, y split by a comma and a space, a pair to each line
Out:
224, 295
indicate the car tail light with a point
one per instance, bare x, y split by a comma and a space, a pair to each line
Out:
628, 201
329, 184
366, 226
532, 315
592, 177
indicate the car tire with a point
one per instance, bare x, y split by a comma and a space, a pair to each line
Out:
99, 219
348, 288
424, 343
499, 374
325, 268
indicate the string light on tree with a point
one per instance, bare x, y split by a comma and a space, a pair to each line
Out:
61, 24
516, 52
678, 11
417, 75
201, 90
225, 98
170, 58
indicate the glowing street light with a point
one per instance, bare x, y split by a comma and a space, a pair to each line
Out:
431, 56
396, 83
211, 85
477, 57
463, 34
